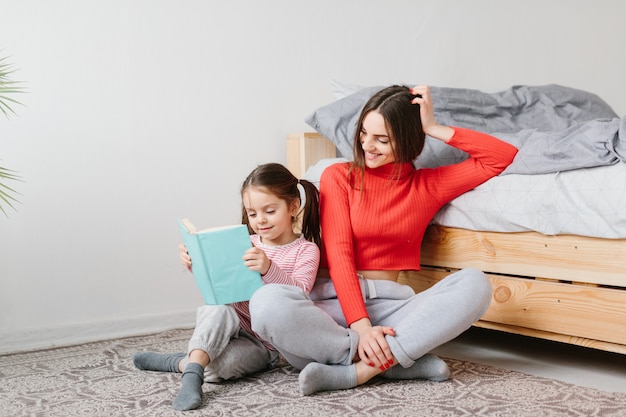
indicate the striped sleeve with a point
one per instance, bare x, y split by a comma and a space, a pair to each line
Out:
296, 266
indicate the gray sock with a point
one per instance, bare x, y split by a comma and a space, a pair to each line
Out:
427, 367
152, 361
190, 395
318, 377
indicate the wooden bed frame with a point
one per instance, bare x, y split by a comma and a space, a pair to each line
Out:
565, 288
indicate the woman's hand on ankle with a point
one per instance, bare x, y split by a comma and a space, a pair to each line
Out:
373, 347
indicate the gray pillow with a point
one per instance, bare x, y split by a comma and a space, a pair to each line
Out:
337, 120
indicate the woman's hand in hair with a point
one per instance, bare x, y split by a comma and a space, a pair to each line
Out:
427, 114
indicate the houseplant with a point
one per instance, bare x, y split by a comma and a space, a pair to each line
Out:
7, 87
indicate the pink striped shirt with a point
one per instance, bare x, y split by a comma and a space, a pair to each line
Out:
295, 263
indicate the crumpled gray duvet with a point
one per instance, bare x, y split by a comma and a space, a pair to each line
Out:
555, 128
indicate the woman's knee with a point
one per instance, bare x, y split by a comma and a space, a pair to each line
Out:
479, 285
269, 304
264, 299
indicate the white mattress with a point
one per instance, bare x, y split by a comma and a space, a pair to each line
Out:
586, 202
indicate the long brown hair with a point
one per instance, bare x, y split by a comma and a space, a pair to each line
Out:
403, 123
278, 180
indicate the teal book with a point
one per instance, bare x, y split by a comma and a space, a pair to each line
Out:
216, 262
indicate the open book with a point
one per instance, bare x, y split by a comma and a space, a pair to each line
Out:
217, 265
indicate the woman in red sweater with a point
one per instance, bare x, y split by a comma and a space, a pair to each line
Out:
374, 212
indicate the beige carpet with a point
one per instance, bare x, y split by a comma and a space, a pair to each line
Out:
99, 379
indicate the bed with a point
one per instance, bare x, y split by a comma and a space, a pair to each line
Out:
550, 233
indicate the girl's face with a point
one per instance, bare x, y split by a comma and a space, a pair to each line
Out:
269, 216
375, 141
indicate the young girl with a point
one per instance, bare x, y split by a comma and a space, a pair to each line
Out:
223, 345
374, 212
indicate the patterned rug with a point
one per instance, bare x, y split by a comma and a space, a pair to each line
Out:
99, 379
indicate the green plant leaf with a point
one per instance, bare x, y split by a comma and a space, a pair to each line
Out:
8, 86
7, 193
6, 109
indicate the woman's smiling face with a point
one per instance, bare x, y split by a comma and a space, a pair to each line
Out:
376, 141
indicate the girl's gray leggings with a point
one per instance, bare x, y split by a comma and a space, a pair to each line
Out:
233, 352
313, 329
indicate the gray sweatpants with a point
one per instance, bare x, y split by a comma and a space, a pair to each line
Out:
313, 329
233, 352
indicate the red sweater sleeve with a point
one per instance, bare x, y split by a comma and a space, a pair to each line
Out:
335, 193
489, 156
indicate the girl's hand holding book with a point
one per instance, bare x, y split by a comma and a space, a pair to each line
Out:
257, 260
184, 257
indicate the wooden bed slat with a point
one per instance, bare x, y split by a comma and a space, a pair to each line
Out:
563, 257
545, 307
566, 309
580, 341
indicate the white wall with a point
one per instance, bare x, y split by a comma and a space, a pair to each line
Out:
139, 112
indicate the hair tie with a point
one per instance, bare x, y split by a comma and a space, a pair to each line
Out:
302, 192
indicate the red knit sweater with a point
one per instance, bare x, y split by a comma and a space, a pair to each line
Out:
381, 227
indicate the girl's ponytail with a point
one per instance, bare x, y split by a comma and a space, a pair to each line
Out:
311, 213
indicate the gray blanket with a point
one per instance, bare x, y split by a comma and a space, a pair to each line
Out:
555, 128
